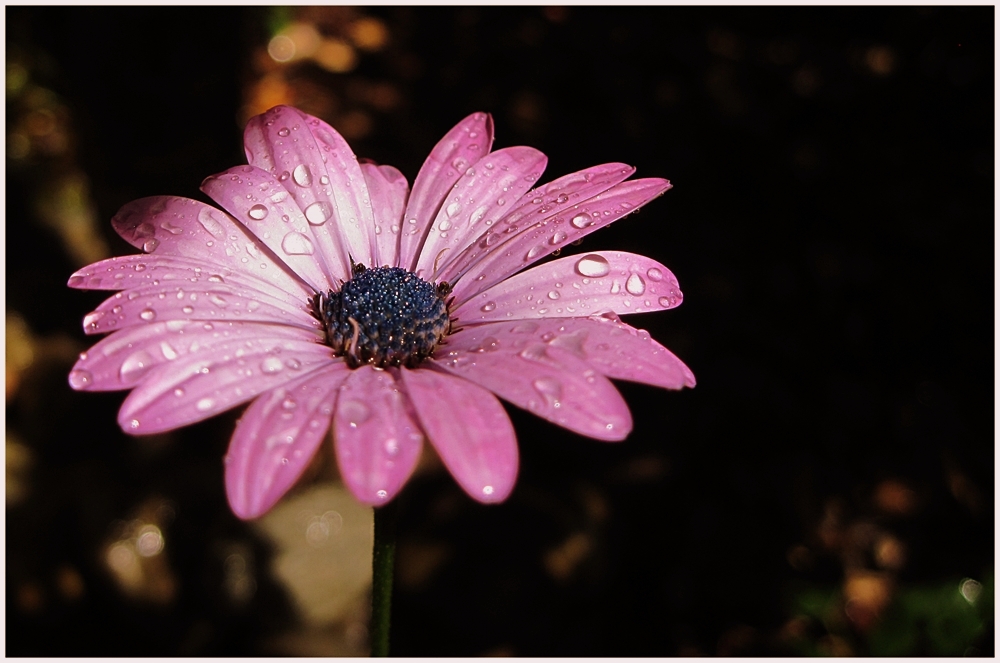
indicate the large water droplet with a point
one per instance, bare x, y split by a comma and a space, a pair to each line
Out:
135, 366
452, 209
525, 328
150, 245
302, 176
257, 212
654, 274
558, 238
581, 221
148, 315
488, 306
283, 132
169, 353
635, 285
80, 379
550, 388
172, 228
534, 252
593, 266
391, 446
319, 212
553, 294
271, 365
444, 226
355, 413
297, 244
204, 404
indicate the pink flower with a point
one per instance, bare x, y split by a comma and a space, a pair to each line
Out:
270, 302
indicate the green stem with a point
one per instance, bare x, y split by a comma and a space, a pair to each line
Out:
383, 556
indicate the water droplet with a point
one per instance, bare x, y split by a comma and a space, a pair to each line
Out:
283, 132
666, 302
382, 494
616, 287
550, 388
257, 212
293, 364
217, 300
178, 392
355, 412
80, 379
169, 353
204, 404
150, 245
553, 294
534, 252
593, 266
172, 228
444, 226
319, 212
116, 309
302, 176
297, 244
488, 306
188, 310
283, 176
135, 366
391, 446
525, 328
654, 274
148, 315
487, 490
558, 238
635, 285
452, 209
580, 221
271, 365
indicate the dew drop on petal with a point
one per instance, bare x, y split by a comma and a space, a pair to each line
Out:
654, 274
580, 221
391, 446
452, 209
553, 294
382, 494
283, 132
444, 226
271, 365
135, 366
148, 315
488, 306
355, 412
293, 364
80, 379
319, 212
666, 302
487, 490
169, 353
635, 285
534, 252
593, 266
257, 212
188, 310
550, 388
557, 238
178, 392
301, 175
204, 404
150, 245
296, 244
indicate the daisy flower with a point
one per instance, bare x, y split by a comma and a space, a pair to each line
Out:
330, 295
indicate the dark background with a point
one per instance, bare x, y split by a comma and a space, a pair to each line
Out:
831, 226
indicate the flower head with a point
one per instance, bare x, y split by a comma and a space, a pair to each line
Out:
330, 294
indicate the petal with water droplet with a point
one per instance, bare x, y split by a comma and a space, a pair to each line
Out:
580, 292
469, 429
271, 432
389, 191
507, 258
469, 140
546, 380
376, 437
479, 197
219, 242
226, 373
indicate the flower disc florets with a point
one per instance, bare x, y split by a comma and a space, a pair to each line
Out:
385, 316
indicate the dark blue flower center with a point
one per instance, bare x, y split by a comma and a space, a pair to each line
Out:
385, 316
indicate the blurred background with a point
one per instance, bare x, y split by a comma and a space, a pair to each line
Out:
828, 487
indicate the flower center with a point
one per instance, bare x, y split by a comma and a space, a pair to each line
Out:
385, 316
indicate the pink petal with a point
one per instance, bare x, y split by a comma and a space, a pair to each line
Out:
534, 242
316, 165
479, 198
547, 202
613, 348
580, 285
464, 145
124, 359
546, 380
277, 437
377, 440
255, 198
469, 429
135, 271
206, 300
201, 385
170, 226
388, 190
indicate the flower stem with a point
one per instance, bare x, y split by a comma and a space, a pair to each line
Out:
383, 556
